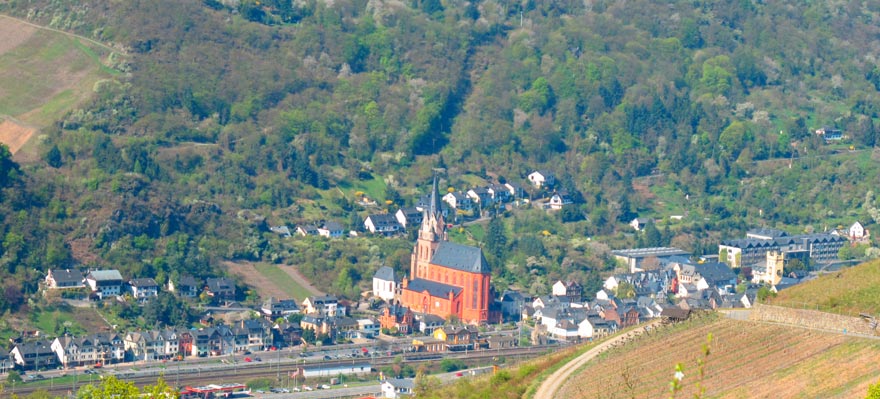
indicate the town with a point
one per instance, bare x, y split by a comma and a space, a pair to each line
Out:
446, 303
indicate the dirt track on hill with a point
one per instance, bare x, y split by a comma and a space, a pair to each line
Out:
548, 388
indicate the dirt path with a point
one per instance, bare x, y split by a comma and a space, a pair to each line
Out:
74, 35
548, 388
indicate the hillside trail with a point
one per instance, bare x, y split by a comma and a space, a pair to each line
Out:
73, 35
548, 388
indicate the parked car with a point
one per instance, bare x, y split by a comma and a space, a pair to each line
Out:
257, 359
248, 359
307, 388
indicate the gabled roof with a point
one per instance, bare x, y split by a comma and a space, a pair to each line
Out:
460, 257
62, 276
715, 272
143, 283
332, 226
188, 281
401, 383
385, 273
105, 275
382, 218
434, 288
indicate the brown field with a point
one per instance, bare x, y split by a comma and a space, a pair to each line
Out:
746, 360
13, 33
15, 135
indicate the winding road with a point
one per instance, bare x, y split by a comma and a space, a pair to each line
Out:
548, 388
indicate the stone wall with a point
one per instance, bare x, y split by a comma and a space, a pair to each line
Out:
812, 319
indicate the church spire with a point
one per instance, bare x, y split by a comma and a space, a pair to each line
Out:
434, 206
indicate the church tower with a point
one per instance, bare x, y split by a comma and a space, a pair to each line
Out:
433, 231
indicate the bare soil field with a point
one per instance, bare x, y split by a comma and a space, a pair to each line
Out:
15, 135
13, 34
745, 360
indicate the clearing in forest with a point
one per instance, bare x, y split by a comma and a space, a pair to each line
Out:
43, 75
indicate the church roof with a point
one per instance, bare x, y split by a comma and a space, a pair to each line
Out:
460, 257
434, 288
385, 273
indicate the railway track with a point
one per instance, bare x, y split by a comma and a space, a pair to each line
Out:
183, 374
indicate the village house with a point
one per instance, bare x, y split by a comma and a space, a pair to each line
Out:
105, 283
331, 230
542, 178
326, 305
186, 286
143, 289
570, 289
559, 199
639, 223
368, 328
221, 288
480, 195
64, 278
408, 217
499, 193
397, 318
307, 230
273, 308
287, 334
382, 223
458, 200
393, 388
35, 355
427, 322
457, 338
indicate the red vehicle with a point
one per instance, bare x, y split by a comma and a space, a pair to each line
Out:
98, 365
248, 359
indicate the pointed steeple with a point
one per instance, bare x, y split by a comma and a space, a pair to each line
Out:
435, 207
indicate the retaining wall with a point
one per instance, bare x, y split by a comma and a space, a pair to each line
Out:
812, 319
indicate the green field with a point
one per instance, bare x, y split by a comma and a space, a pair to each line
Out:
850, 291
283, 280
47, 75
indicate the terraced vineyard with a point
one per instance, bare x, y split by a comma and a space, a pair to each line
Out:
746, 360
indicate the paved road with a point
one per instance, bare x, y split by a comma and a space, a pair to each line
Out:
548, 388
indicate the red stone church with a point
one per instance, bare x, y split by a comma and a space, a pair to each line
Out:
446, 279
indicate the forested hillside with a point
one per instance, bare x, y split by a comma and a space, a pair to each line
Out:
236, 115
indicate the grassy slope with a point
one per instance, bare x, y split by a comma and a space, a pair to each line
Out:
46, 76
850, 291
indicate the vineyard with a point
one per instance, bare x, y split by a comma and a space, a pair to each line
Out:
745, 360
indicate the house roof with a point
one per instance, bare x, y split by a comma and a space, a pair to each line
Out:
188, 281
66, 276
385, 273
399, 383
434, 288
715, 272
143, 282
460, 257
382, 219
766, 232
332, 226
105, 275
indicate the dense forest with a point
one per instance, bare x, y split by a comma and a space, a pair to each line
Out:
226, 117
